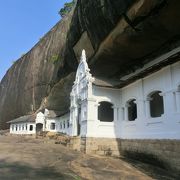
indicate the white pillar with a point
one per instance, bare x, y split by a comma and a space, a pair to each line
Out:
147, 108
126, 112
92, 116
177, 94
115, 111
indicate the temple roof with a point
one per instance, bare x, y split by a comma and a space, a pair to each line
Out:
53, 114
27, 118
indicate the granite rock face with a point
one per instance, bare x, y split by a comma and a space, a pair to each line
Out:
118, 36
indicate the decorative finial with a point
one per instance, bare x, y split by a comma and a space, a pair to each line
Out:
83, 56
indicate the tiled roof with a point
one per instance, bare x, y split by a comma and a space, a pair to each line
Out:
27, 118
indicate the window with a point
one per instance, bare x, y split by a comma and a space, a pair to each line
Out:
105, 112
12, 127
26, 127
31, 127
156, 104
16, 127
23, 127
60, 125
68, 124
132, 110
53, 126
64, 124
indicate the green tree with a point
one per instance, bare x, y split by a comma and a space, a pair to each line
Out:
66, 9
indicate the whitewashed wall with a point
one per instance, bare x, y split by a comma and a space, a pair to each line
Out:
86, 96
41, 119
167, 126
21, 130
97, 128
61, 124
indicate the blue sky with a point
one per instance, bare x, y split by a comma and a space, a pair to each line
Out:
22, 24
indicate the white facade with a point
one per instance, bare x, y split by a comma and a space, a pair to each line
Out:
146, 109
58, 124
42, 123
23, 128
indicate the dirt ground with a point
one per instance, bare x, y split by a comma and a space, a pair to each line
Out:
23, 158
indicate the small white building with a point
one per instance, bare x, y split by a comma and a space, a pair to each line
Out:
33, 124
23, 125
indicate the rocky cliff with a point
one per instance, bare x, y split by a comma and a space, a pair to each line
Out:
119, 37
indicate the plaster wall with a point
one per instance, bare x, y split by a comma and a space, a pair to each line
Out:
166, 126
97, 128
17, 128
146, 127
86, 98
61, 124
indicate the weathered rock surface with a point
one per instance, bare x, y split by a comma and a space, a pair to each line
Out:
119, 37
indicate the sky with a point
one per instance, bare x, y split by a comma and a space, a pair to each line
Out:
22, 24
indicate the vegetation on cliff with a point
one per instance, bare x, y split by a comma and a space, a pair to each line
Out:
66, 9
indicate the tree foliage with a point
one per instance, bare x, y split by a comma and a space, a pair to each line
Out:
66, 9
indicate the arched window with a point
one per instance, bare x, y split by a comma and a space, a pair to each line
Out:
156, 104
105, 112
132, 110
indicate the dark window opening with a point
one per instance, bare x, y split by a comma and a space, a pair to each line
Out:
79, 121
31, 127
16, 127
68, 124
156, 104
53, 126
132, 110
64, 124
105, 112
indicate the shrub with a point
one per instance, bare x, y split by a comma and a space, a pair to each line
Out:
66, 9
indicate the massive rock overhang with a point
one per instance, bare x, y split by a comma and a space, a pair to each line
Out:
153, 29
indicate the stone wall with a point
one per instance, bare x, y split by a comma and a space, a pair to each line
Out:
164, 153
161, 153
74, 143
103, 146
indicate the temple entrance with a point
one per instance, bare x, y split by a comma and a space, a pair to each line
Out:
79, 121
39, 128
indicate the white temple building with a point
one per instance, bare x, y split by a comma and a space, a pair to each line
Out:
148, 108
107, 120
